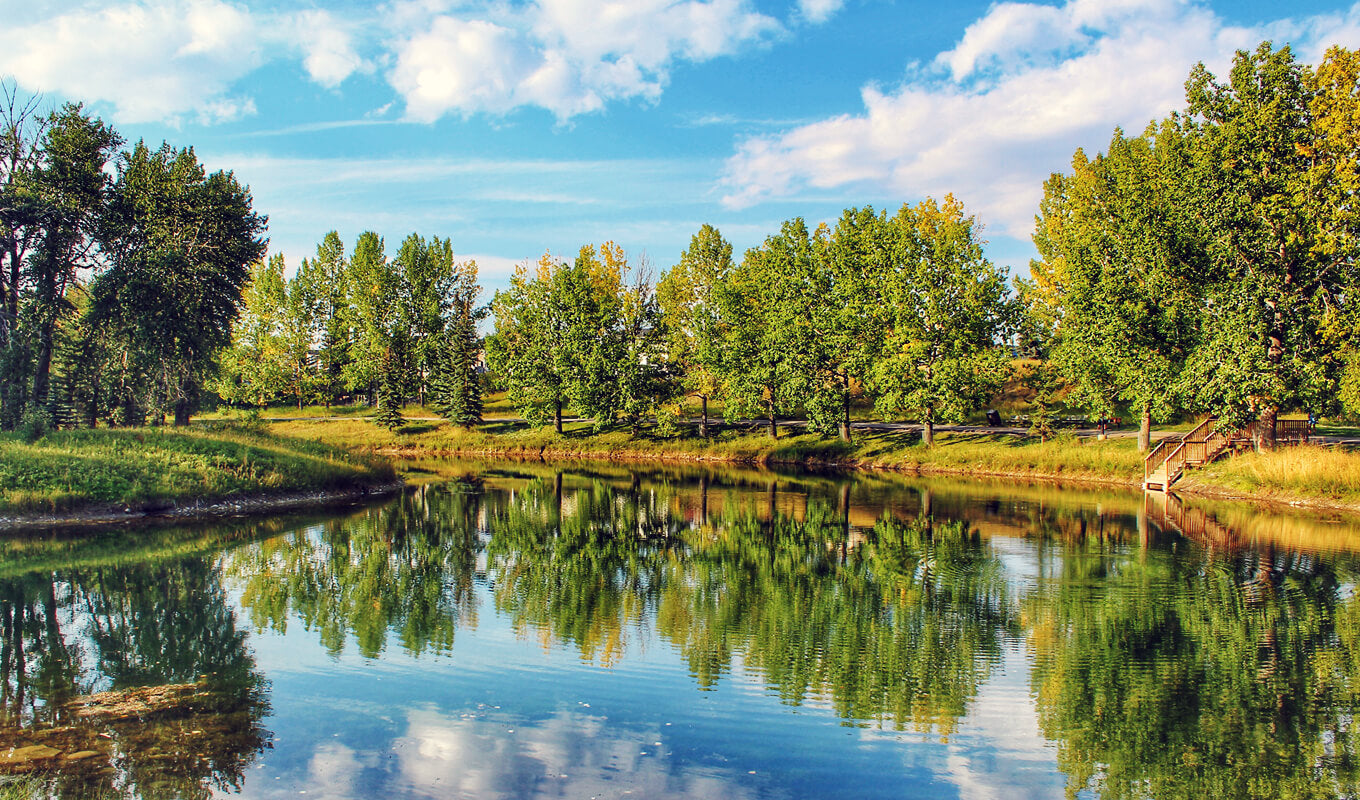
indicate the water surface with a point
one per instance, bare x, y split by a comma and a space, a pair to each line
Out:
516, 630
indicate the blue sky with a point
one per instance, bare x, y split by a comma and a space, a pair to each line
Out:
519, 127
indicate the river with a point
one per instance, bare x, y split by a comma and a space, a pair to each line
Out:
598, 631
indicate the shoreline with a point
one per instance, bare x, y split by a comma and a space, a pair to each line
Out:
255, 502
170, 511
1189, 487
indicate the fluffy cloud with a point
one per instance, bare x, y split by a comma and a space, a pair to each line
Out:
567, 56
1025, 86
154, 62
329, 49
163, 60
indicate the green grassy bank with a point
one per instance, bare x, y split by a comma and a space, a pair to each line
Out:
1314, 475
154, 468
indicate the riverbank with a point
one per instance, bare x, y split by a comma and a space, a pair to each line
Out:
110, 475
1300, 476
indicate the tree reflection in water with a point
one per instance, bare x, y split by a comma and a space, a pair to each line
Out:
115, 628
1160, 666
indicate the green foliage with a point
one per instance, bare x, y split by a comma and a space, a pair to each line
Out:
1042, 379
392, 390
1126, 265
181, 242
945, 313
688, 295
579, 336
1278, 239
455, 388
770, 340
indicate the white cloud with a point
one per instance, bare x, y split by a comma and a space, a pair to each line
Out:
330, 55
152, 61
1024, 87
819, 10
164, 60
567, 56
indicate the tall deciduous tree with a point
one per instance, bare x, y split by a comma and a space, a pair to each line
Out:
688, 295
1126, 304
70, 188
1280, 232
251, 371
325, 291
770, 334
947, 313
180, 243
374, 295
525, 349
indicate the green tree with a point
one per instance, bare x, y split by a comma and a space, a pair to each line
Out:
455, 389
688, 294
324, 283
524, 350
179, 242
766, 308
374, 300
393, 372
1280, 240
1127, 297
70, 189
251, 371
947, 312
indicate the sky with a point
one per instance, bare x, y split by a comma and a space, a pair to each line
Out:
519, 127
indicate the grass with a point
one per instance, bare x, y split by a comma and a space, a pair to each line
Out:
65, 470
1310, 471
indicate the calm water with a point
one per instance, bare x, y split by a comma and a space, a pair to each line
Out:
514, 631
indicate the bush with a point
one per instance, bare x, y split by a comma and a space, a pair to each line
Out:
35, 424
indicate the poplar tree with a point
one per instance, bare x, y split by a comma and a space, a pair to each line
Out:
525, 350
1125, 267
180, 243
947, 312
769, 328
1280, 234
688, 295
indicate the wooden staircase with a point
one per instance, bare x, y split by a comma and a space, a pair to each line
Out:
1171, 457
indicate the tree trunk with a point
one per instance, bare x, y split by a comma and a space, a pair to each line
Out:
1145, 430
928, 429
703, 419
845, 417
1265, 428
557, 416
774, 431
43, 371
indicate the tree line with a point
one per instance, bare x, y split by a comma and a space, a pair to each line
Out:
1207, 265
360, 327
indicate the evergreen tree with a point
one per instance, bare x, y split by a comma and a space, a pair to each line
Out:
455, 389
392, 384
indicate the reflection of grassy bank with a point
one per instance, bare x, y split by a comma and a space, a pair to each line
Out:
154, 468
1312, 474
1114, 461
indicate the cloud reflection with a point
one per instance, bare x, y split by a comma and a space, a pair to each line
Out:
568, 754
